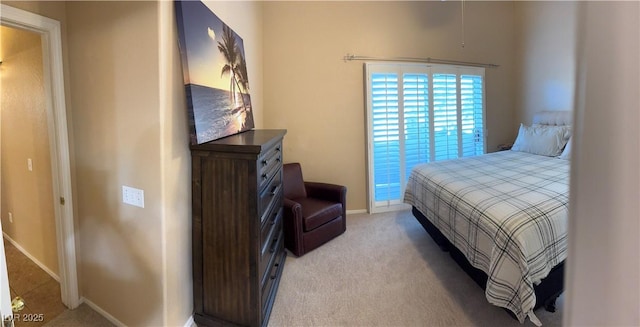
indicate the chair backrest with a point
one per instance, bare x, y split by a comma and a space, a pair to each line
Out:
292, 181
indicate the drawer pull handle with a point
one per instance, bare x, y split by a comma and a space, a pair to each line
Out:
274, 190
264, 162
264, 176
275, 271
278, 148
273, 245
278, 159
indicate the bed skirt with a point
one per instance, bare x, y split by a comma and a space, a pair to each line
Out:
546, 292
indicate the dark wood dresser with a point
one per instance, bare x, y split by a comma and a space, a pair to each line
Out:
238, 246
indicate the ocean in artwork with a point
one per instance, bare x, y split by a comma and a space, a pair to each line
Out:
215, 114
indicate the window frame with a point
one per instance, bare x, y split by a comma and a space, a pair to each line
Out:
401, 68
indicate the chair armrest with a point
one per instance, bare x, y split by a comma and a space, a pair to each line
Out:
325, 191
292, 206
292, 225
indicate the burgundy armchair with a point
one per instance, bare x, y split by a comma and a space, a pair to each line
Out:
314, 213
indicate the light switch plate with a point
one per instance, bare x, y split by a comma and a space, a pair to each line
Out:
133, 196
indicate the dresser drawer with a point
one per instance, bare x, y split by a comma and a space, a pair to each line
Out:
270, 195
270, 246
268, 163
267, 230
273, 273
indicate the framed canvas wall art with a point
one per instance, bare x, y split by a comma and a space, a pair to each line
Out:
215, 74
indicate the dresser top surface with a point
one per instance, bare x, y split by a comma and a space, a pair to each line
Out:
253, 141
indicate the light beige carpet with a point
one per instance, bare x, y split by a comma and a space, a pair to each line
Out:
385, 271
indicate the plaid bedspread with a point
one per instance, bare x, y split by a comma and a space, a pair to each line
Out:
505, 211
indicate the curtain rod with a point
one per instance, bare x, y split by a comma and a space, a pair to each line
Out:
351, 57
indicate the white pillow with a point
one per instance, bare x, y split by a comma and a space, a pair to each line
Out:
566, 153
542, 139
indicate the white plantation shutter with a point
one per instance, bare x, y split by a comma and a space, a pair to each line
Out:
472, 96
445, 117
416, 120
419, 113
386, 134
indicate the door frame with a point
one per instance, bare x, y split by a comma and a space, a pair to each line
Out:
5, 297
50, 33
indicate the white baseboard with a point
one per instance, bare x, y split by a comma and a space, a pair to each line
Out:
190, 322
101, 311
32, 258
391, 208
357, 211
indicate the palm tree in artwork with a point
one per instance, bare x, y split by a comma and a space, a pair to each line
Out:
234, 61
243, 80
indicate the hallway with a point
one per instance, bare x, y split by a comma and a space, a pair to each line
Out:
41, 293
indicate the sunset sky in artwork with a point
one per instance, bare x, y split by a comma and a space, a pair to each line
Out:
205, 61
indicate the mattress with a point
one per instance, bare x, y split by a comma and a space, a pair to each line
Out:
505, 211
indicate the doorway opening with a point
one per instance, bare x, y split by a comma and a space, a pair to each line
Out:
56, 122
29, 230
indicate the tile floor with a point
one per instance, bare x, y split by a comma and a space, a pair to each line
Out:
80, 317
41, 293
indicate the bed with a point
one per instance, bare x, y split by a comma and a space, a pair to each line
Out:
503, 215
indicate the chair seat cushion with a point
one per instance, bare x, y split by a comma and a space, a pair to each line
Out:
316, 212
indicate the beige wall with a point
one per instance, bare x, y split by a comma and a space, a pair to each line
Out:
546, 57
176, 175
310, 91
604, 238
55, 10
28, 195
114, 83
